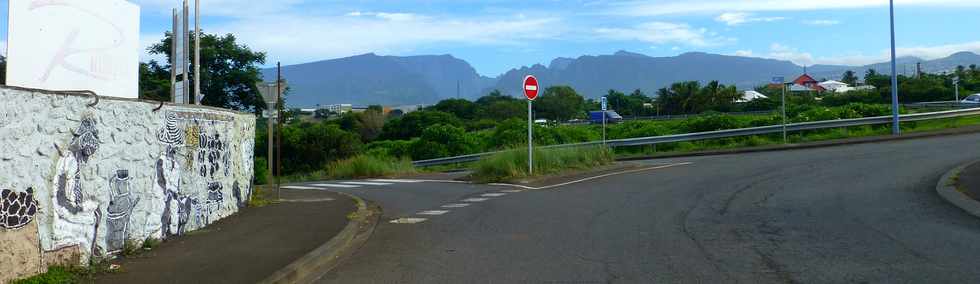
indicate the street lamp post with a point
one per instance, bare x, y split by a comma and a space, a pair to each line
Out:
896, 127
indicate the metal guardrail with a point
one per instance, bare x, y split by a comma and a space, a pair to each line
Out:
727, 133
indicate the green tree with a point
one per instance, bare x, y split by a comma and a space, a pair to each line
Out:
412, 124
229, 71
849, 78
154, 82
461, 108
560, 103
499, 107
311, 146
3, 70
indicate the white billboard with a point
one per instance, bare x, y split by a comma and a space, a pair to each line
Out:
74, 45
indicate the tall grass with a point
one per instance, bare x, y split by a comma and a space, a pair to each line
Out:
364, 166
512, 164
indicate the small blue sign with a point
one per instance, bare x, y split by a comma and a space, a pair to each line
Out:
778, 80
604, 104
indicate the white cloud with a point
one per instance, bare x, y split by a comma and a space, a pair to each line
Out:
230, 8
782, 52
664, 32
671, 7
738, 18
822, 22
746, 53
294, 37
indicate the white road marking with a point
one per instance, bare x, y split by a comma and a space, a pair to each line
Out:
434, 212
408, 220
365, 183
475, 199
511, 191
335, 185
397, 180
493, 194
456, 205
299, 187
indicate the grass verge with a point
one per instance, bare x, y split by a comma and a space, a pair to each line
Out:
360, 166
512, 165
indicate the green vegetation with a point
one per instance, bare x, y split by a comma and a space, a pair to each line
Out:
512, 164
55, 274
351, 145
67, 274
362, 166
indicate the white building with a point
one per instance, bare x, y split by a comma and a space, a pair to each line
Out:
749, 96
339, 108
832, 85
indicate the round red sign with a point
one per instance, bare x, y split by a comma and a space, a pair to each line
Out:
530, 87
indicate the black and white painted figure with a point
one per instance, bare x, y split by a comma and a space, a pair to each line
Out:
166, 196
74, 214
212, 155
119, 211
17, 209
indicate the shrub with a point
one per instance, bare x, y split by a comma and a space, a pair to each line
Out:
365, 166
512, 164
712, 122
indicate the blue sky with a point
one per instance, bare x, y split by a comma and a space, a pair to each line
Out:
495, 36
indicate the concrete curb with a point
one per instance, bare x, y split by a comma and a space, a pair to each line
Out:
947, 189
821, 144
321, 260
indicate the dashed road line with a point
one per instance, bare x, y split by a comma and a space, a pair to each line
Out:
456, 205
475, 199
365, 183
408, 220
433, 212
493, 194
335, 185
511, 191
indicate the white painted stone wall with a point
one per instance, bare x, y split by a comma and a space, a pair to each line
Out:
113, 173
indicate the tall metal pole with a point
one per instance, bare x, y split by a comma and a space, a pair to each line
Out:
603, 127
173, 62
530, 141
197, 52
896, 126
785, 140
278, 130
270, 130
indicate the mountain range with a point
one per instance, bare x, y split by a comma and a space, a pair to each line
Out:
394, 80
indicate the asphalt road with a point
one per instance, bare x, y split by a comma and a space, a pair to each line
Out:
858, 213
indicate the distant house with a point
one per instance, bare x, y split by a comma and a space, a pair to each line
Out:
805, 83
749, 96
832, 85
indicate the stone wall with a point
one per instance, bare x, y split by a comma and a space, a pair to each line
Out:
80, 181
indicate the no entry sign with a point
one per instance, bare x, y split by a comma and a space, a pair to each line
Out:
530, 87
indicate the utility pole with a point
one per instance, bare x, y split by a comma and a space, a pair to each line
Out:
197, 52
896, 126
279, 130
785, 139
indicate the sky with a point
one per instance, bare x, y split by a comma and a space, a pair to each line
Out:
497, 35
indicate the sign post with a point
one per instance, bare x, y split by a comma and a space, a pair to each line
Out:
956, 86
530, 88
782, 82
605, 106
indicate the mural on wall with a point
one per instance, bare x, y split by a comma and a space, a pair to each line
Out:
118, 213
241, 195
75, 214
17, 209
212, 156
82, 182
166, 195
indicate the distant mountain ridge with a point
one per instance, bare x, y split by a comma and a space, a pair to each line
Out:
393, 80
